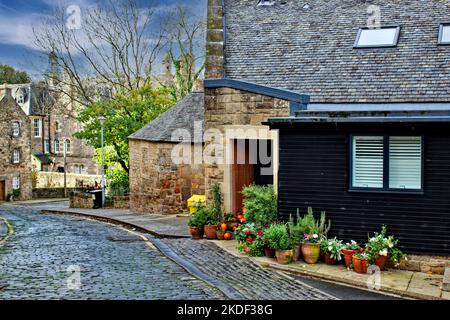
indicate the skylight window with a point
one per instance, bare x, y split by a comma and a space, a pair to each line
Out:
266, 3
444, 33
375, 38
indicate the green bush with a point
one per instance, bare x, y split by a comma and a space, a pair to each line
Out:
261, 205
277, 237
217, 201
118, 181
199, 219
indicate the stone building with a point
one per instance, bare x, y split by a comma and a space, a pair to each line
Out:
158, 182
15, 147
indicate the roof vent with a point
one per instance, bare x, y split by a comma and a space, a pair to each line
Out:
306, 6
266, 3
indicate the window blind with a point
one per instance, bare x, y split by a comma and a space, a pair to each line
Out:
368, 161
405, 162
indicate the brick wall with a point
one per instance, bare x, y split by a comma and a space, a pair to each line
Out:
157, 185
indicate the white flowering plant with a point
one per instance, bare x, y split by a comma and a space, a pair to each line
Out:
352, 245
333, 248
382, 245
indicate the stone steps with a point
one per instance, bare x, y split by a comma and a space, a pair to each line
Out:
446, 281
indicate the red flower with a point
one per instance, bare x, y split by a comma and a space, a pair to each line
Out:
247, 232
260, 233
249, 240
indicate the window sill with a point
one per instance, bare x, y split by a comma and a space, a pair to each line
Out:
412, 192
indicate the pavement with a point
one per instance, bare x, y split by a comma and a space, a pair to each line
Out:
396, 282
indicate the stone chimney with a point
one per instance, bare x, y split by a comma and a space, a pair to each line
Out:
5, 90
214, 66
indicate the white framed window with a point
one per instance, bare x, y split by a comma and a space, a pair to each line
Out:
444, 33
387, 163
20, 99
16, 128
37, 128
56, 147
16, 183
16, 156
67, 145
46, 146
386, 36
80, 169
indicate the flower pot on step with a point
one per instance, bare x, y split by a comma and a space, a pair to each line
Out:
269, 252
380, 261
359, 264
211, 232
220, 235
311, 252
348, 254
196, 233
298, 252
328, 259
284, 256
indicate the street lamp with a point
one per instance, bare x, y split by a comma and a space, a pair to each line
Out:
102, 120
65, 166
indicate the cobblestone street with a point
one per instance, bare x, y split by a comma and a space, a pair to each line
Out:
34, 262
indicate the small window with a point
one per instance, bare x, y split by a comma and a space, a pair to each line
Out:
67, 146
80, 169
16, 129
37, 128
47, 146
57, 126
16, 183
444, 33
20, 99
387, 163
56, 146
16, 156
381, 37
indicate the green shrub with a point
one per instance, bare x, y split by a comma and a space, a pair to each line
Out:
217, 201
261, 205
296, 229
277, 237
199, 219
310, 225
118, 181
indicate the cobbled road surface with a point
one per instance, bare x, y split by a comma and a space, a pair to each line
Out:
38, 261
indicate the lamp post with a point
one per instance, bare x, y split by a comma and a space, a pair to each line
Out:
65, 166
102, 120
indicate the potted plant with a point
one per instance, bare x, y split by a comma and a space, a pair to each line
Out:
380, 248
196, 224
214, 213
311, 248
296, 233
268, 251
211, 224
278, 239
260, 205
360, 262
13, 195
245, 235
220, 234
331, 249
349, 249
230, 221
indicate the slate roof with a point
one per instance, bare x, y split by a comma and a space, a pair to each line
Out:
309, 49
184, 115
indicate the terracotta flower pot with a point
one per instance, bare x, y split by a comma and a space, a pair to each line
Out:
380, 261
348, 254
360, 265
231, 224
196, 232
269, 252
328, 259
247, 249
211, 232
220, 235
298, 252
311, 252
284, 256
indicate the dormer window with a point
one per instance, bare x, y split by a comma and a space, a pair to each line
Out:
377, 38
444, 33
265, 3
20, 99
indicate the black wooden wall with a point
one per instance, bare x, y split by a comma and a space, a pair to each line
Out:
314, 172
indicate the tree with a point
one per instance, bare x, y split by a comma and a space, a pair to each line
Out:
112, 48
186, 51
12, 76
125, 114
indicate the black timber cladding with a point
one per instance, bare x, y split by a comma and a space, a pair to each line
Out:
314, 172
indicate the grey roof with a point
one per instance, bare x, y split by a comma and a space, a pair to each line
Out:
310, 50
187, 115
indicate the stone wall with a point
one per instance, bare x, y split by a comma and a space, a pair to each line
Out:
427, 264
51, 193
157, 185
121, 202
10, 112
81, 200
226, 107
56, 180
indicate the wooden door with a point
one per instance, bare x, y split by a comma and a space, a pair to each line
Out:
243, 174
2, 190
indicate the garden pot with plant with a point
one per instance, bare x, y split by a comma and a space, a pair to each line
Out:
269, 252
311, 248
382, 248
296, 232
220, 234
360, 262
277, 237
349, 249
331, 249
196, 223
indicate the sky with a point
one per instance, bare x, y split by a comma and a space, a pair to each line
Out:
17, 18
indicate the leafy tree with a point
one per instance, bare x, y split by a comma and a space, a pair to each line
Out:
12, 76
125, 114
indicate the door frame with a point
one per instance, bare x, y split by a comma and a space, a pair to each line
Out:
246, 132
3, 196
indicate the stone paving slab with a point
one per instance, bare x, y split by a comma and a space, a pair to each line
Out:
446, 281
399, 282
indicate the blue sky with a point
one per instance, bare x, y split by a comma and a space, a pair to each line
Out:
17, 18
